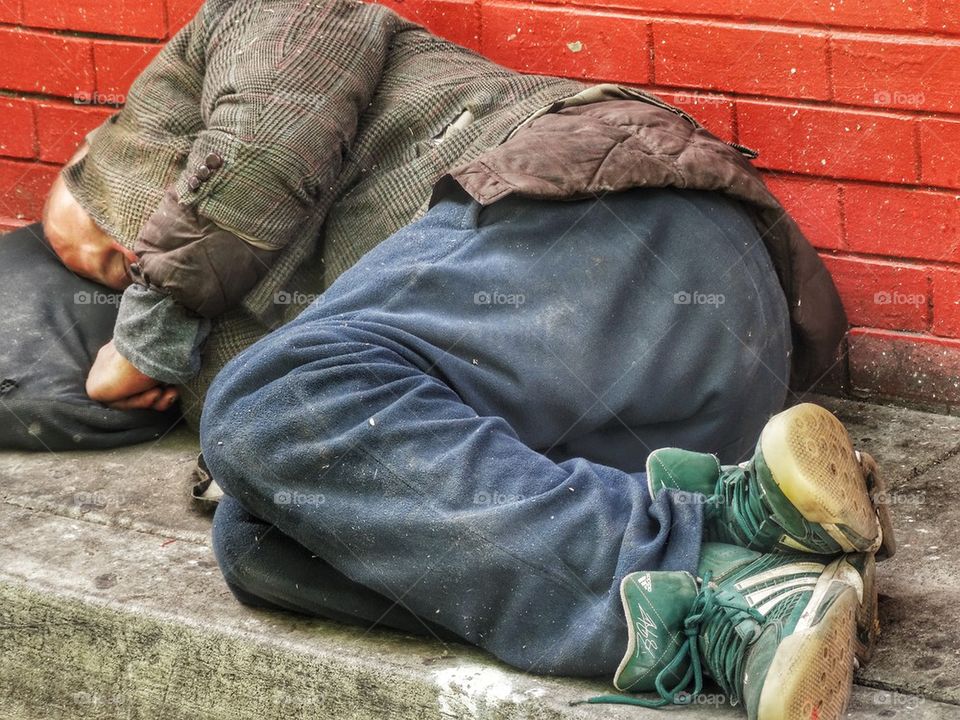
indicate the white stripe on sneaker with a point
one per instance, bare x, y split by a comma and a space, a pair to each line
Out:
758, 596
797, 568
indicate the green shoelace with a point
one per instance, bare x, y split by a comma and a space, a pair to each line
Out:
728, 625
737, 504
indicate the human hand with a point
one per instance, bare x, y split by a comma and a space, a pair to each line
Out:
115, 382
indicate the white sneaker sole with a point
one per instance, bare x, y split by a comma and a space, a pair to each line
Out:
812, 461
811, 676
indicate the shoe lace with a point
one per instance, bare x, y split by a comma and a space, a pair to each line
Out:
738, 501
729, 625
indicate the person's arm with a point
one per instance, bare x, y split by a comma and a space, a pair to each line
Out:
283, 89
157, 335
156, 347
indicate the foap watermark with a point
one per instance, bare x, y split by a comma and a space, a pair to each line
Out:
85, 297
98, 498
897, 498
283, 497
698, 98
98, 98
885, 297
496, 297
282, 297
690, 498
885, 698
889, 98
686, 698
492, 497
698, 298
99, 699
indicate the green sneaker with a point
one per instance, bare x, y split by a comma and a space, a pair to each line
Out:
777, 632
805, 489
868, 618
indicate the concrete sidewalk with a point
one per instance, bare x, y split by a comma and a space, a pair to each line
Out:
111, 606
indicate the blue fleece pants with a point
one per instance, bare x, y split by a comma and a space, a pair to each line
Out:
452, 439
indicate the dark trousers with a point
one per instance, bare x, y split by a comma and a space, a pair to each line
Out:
452, 440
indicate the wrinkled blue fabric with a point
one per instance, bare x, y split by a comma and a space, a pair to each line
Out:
452, 439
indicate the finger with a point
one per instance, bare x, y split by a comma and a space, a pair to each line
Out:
143, 401
167, 399
129, 254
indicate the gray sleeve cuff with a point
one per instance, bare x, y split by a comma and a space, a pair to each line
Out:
158, 336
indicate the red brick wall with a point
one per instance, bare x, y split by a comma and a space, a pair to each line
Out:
854, 107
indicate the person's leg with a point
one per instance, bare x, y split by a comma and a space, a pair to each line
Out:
412, 395
265, 568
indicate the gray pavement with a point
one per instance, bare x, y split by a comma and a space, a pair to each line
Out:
111, 606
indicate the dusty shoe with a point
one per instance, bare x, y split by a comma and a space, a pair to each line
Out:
805, 489
777, 632
868, 618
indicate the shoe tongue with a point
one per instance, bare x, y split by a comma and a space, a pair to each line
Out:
656, 605
675, 469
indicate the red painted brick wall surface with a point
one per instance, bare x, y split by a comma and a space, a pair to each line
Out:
854, 107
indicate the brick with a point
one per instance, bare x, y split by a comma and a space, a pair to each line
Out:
180, 12
902, 222
18, 134
880, 294
943, 18
45, 63
758, 61
10, 12
713, 110
61, 128
814, 205
829, 142
118, 65
888, 14
897, 73
907, 366
144, 18
940, 152
454, 20
23, 188
557, 41
946, 302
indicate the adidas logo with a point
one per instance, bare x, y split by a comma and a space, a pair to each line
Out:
645, 582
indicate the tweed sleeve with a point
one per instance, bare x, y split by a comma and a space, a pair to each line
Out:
283, 89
